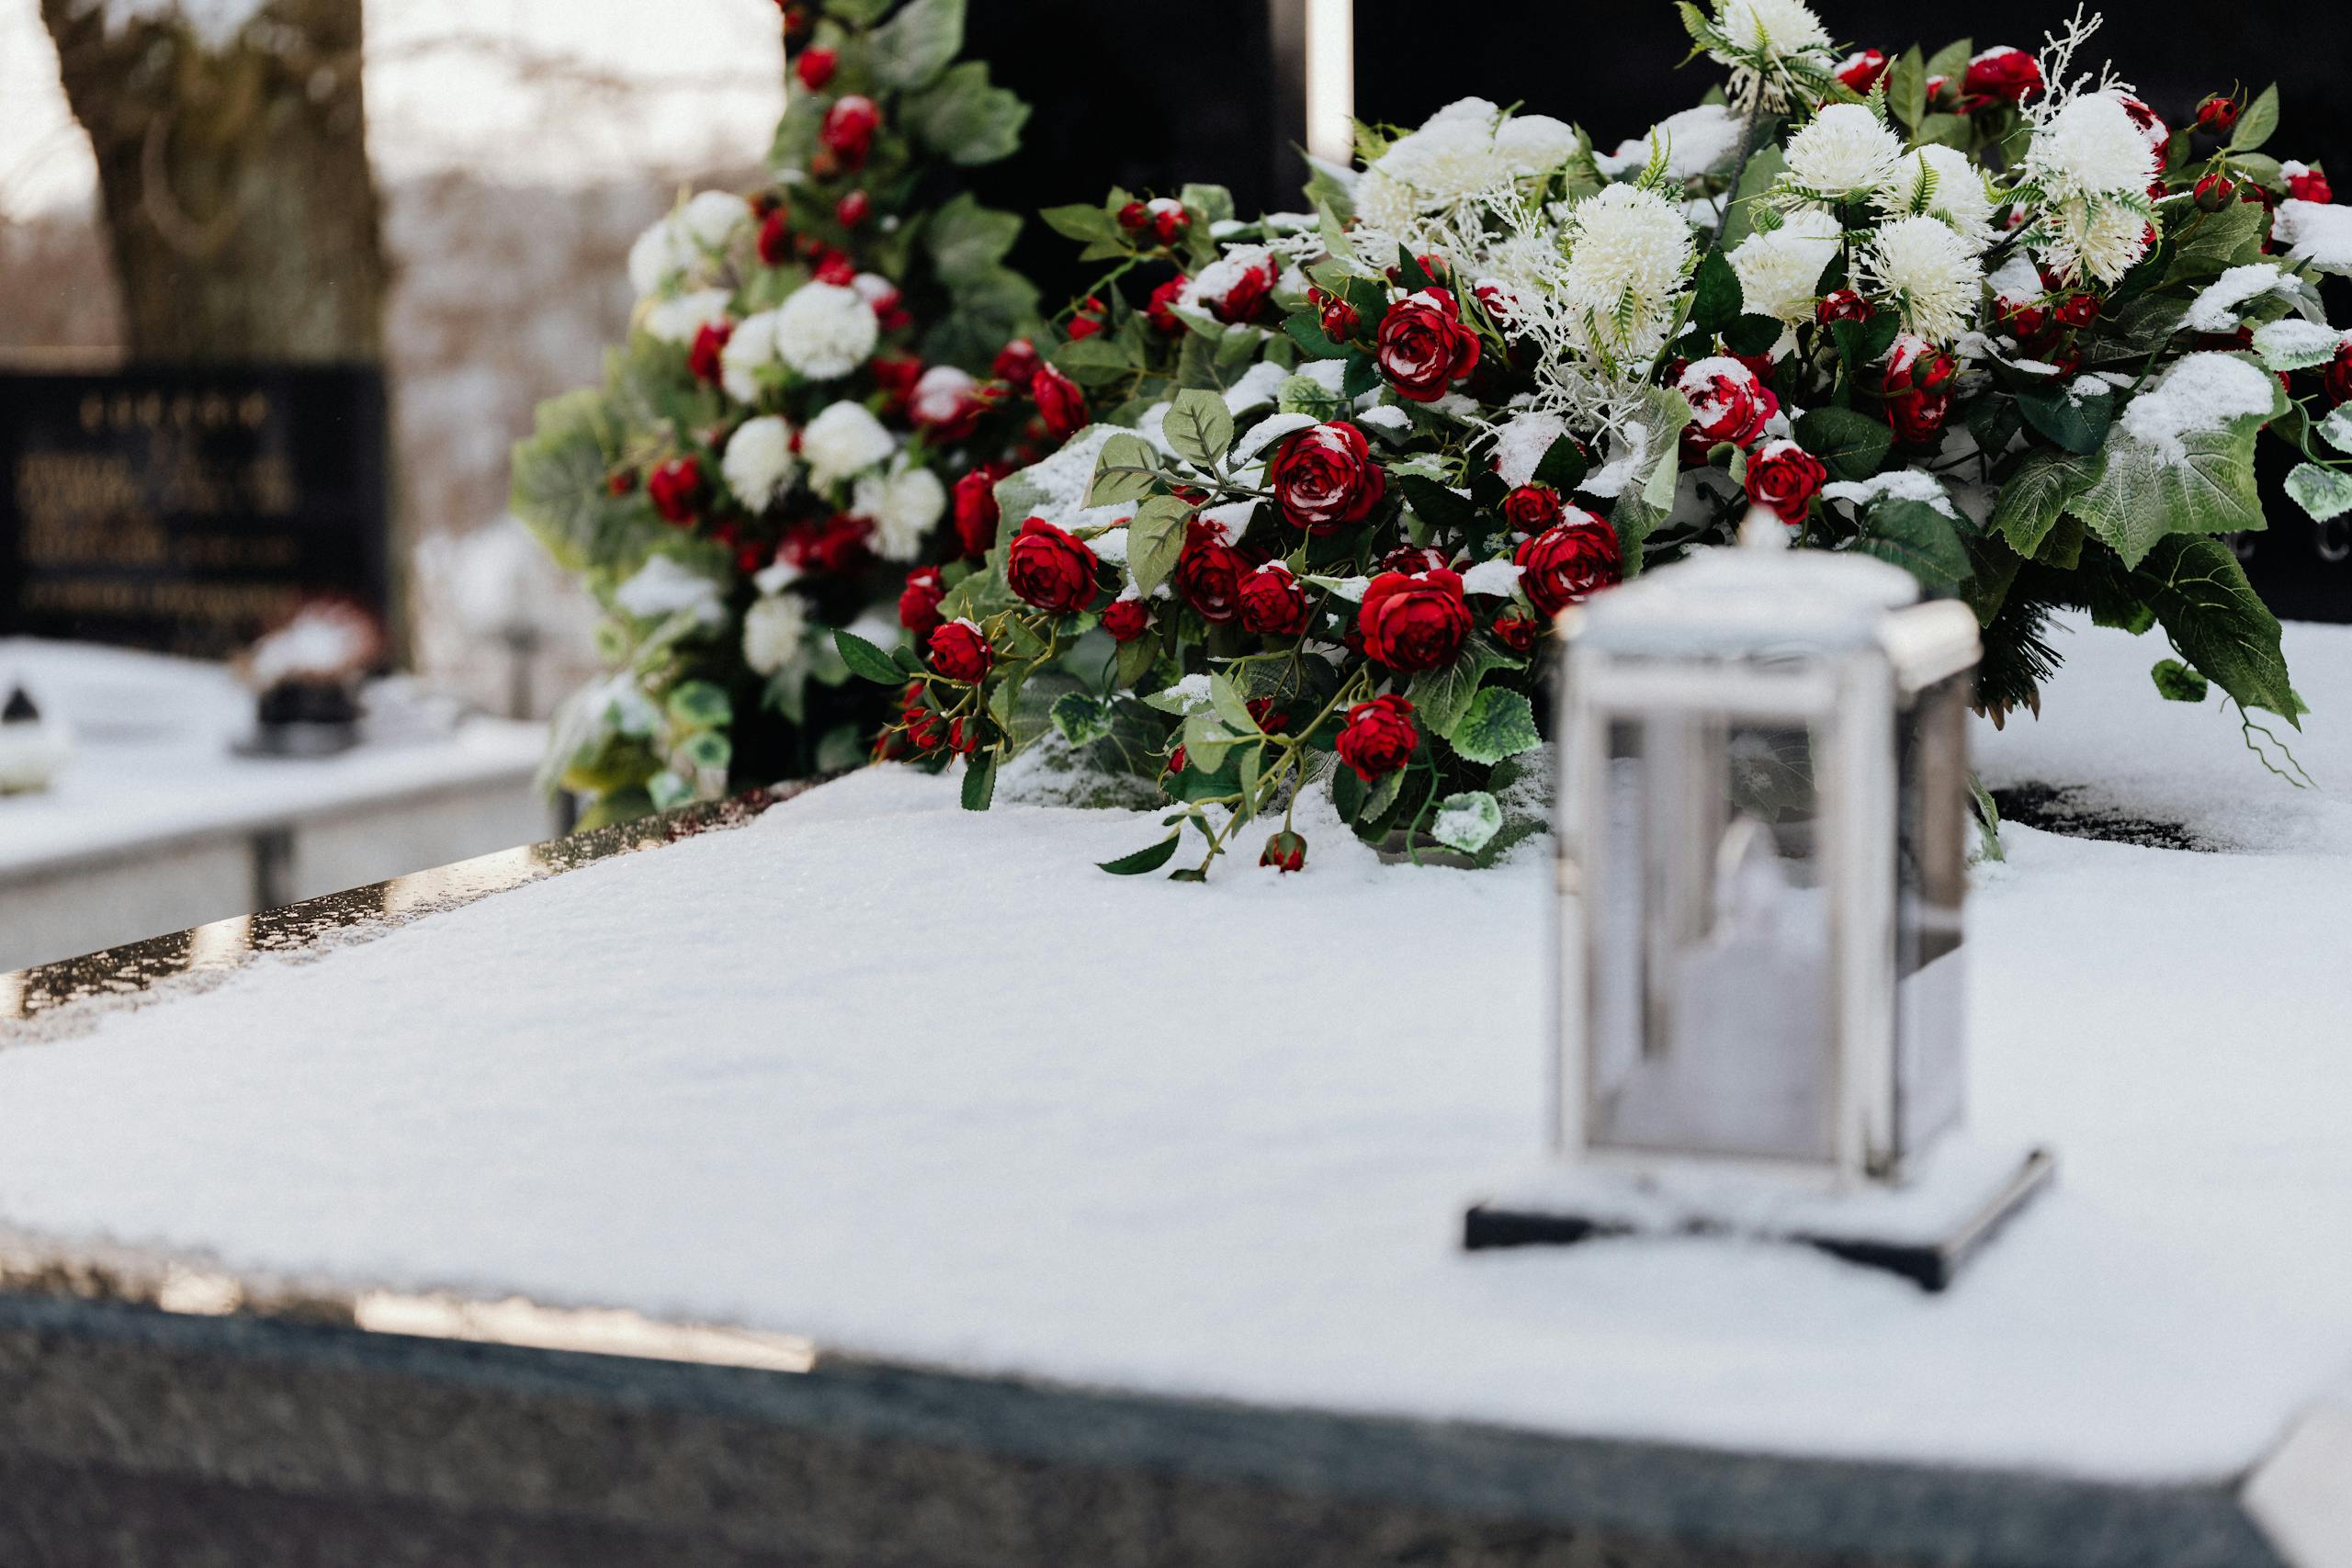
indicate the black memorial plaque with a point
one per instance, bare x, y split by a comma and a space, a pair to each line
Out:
188, 509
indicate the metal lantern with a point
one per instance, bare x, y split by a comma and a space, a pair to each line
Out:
1763, 830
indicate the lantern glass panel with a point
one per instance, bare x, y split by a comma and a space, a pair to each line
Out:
1713, 1017
1931, 882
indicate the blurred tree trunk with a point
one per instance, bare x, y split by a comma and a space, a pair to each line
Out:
234, 184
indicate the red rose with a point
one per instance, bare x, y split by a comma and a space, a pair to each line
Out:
1785, 477
1727, 403
964, 735
2218, 115
2158, 134
815, 68
1566, 564
852, 208
2311, 186
1087, 318
1414, 623
1209, 572
947, 403
973, 499
921, 721
676, 488
1411, 559
849, 128
1516, 632
919, 602
1059, 402
1378, 736
1268, 715
835, 544
1531, 509
836, 269
2077, 310
895, 375
775, 237
1913, 363
1243, 296
1861, 69
1501, 303
1842, 305
1424, 345
1049, 568
1917, 418
2337, 377
1160, 309
2002, 74
1324, 478
1272, 602
1285, 851
710, 339
2214, 192
1015, 362
1127, 620
959, 652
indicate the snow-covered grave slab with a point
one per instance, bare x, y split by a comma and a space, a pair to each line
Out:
921, 1086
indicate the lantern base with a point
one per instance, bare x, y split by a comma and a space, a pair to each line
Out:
1925, 1230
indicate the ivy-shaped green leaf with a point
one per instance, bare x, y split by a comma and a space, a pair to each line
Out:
2199, 592
2176, 683
967, 120
1498, 723
2142, 496
1468, 821
1082, 718
914, 46
2323, 494
2038, 493
1850, 443
1919, 539
2078, 423
1440, 696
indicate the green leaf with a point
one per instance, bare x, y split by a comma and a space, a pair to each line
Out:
2038, 493
1347, 793
980, 780
1154, 539
1213, 203
1498, 723
1715, 298
1198, 426
2199, 592
707, 749
2322, 492
1850, 442
1950, 62
1920, 540
966, 119
2076, 424
2142, 497
1145, 860
2337, 428
1434, 503
1206, 741
1082, 718
967, 240
2256, 124
1080, 221
1441, 696
2216, 241
914, 46
667, 789
700, 705
1122, 471
2295, 345
2176, 683
1752, 334
1952, 130
867, 659
1907, 89
1564, 466
1306, 329
1226, 702
1764, 166
1468, 821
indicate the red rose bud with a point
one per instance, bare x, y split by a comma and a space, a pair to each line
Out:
1501, 303
848, 130
2002, 74
1516, 632
622, 481
1570, 562
1861, 69
2214, 192
919, 602
1048, 568
1015, 362
1937, 88
1209, 572
1088, 320
1727, 403
895, 375
676, 488
1324, 478
1127, 620
1916, 364
2337, 377
1177, 761
1339, 319
973, 503
964, 736
1378, 736
710, 342
2025, 321
1411, 559
2311, 186
959, 652
1842, 305
837, 269
1134, 216
853, 208
797, 20
1284, 851
1272, 602
1161, 311
1424, 347
2218, 115
1414, 623
1060, 403
1531, 509
815, 68
1170, 221
1785, 477
775, 237
2075, 311
1267, 715
1243, 297
1917, 418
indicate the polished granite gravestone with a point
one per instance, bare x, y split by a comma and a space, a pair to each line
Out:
152, 1409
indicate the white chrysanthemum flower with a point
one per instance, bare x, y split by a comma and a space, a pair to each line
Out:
1843, 151
1535, 143
680, 245
842, 442
1957, 192
1386, 205
759, 463
1701, 140
902, 507
711, 218
678, 320
664, 586
1779, 272
1482, 110
1932, 274
2089, 148
1770, 29
751, 349
1628, 252
774, 629
1446, 159
824, 331
658, 258
2102, 239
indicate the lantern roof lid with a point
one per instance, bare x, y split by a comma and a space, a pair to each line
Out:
1742, 601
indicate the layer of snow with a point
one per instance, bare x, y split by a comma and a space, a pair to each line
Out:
1901, 484
2200, 392
1231, 1160
2216, 307
2315, 232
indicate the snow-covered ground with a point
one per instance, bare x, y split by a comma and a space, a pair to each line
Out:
921, 1084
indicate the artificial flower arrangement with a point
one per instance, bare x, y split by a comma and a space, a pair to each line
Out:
813, 396
1982, 314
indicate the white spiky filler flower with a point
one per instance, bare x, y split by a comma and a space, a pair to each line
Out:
1779, 272
2102, 240
1771, 46
1942, 182
1930, 272
1629, 249
1844, 151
